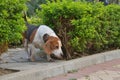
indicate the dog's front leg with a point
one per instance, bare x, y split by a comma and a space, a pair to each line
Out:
49, 58
32, 57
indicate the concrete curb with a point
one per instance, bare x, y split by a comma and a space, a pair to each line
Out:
63, 67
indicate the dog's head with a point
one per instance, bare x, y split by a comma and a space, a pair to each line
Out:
52, 46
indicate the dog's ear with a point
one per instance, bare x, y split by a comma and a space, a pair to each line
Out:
47, 47
45, 37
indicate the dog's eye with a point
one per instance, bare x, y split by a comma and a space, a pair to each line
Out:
56, 47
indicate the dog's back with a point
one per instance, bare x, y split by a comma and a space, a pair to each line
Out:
43, 29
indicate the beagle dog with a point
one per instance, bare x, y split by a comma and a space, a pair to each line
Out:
42, 37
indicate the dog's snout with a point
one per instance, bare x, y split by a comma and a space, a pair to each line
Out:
60, 56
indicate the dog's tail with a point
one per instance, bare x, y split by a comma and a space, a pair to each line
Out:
25, 18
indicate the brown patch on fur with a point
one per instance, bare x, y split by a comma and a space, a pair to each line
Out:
51, 44
32, 35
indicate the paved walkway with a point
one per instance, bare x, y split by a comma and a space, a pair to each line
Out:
106, 71
16, 59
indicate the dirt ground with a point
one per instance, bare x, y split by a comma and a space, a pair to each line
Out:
6, 71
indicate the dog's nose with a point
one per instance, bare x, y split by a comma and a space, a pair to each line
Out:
61, 56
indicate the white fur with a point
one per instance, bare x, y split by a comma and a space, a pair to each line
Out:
43, 29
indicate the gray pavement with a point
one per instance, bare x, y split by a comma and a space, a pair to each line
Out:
17, 59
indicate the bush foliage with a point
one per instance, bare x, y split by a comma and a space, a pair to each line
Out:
83, 26
11, 21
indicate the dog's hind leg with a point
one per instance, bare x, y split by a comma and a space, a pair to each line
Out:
26, 45
27, 50
32, 53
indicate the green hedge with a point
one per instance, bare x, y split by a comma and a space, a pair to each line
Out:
82, 26
11, 21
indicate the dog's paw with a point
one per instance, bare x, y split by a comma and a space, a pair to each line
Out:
51, 60
32, 59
